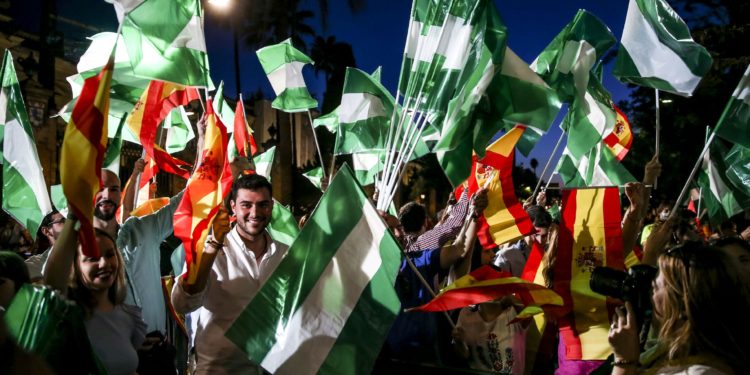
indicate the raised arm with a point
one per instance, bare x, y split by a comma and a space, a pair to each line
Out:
131, 187
465, 239
633, 218
57, 270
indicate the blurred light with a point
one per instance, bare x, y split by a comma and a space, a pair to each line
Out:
221, 4
666, 101
422, 196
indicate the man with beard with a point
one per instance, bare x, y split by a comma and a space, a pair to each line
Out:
138, 239
233, 268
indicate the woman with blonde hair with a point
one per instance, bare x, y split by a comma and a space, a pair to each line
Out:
114, 329
701, 301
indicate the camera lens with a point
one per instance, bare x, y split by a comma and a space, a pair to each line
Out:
608, 281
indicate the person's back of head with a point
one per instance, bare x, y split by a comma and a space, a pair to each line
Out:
13, 274
412, 217
702, 305
539, 216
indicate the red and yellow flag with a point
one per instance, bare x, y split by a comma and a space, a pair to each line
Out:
149, 172
621, 138
504, 218
83, 151
486, 284
150, 110
243, 137
204, 194
590, 236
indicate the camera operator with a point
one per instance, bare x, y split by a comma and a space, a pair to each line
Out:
701, 301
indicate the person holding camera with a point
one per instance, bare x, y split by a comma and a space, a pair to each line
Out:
700, 303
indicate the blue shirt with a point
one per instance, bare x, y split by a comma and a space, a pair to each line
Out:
139, 239
412, 335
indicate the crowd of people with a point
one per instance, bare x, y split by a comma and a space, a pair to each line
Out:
700, 297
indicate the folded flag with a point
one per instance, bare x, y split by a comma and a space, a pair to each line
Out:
505, 218
590, 118
24, 193
179, 130
114, 147
315, 176
597, 168
734, 124
657, 50
204, 194
264, 162
620, 139
720, 195
243, 137
283, 65
165, 40
590, 236
367, 165
153, 106
486, 284
83, 151
331, 296
566, 63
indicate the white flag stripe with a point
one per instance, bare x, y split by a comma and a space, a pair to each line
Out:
191, 36
365, 161
651, 57
321, 318
514, 66
360, 106
742, 92
3, 107
454, 43
287, 76
578, 57
20, 151
596, 115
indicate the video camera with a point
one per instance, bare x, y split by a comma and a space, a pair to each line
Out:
633, 286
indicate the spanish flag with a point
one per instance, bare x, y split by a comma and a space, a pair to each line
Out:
486, 284
505, 217
150, 110
620, 139
83, 151
204, 193
590, 236
149, 172
243, 137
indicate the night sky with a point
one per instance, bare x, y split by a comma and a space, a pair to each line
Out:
377, 34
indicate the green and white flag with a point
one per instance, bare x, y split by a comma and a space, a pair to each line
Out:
58, 199
722, 199
179, 130
589, 119
114, 148
657, 50
330, 121
597, 168
283, 226
738, 168
264, 162
734, 124
363, 115
165, 40
223, 109
566, 62
283, 65
315, 176
25, 196
328, 306
126, 87
443, 47
367, 165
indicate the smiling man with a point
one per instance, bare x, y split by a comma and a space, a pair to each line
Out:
233, 269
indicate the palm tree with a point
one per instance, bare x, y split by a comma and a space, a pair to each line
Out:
322, 52
534, 163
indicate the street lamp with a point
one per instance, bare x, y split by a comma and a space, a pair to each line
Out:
223, 5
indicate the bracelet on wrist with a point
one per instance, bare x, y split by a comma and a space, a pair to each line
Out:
625, 363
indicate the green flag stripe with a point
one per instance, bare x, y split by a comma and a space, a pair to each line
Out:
328, 304
734, 124
374, 314
294, 100
283, 227
256, 327
264, 162
273, 57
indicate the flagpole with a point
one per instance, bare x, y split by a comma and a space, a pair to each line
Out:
549, 161
658, 129
317, 146
138, 182
692, 174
